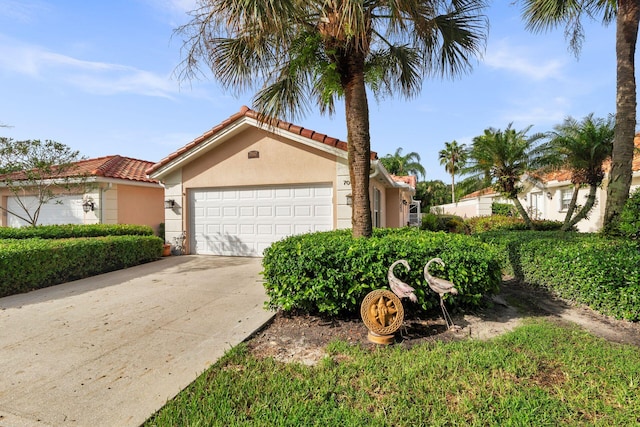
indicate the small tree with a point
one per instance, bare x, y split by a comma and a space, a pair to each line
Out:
583, 147
33, 168
502, 157
402, 165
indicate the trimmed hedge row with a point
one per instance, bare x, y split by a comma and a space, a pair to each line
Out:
28, 264
68, 231
603, 273
331, 272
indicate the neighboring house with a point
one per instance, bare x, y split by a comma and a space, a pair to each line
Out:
118, 192
243, 185
544, 196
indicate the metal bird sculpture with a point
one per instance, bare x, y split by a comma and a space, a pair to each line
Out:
441, 287
398, 287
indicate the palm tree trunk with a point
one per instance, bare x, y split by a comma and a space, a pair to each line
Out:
572, 207
359, 143
627, 19
591, 200
453, 188
523, 213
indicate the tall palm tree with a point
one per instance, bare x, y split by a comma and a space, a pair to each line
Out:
453, 157
400, 165
583, 147
543, 15
301, 52
503, 157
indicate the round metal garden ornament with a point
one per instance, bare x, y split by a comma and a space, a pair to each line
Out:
383, 314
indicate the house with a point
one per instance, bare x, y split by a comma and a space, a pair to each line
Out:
545, 196
118, 191
243, 185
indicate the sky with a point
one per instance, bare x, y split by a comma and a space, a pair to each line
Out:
100, 77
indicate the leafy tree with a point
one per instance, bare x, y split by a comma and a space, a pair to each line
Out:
453, 157
583, 147
542, 15
400, 165
432, 193
40, 169
300, 53
502, 157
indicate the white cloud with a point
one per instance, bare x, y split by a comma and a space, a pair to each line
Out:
90, 76
517, 59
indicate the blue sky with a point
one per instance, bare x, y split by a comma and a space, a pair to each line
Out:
99, 77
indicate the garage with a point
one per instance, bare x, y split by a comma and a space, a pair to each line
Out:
62, 210
243, 221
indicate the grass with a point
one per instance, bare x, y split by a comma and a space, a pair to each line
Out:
540, 374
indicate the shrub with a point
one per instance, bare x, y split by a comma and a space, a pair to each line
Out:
629, 223
481, 224
331, 272
27, 264
448, 223
603, 273
503, 209
67, 231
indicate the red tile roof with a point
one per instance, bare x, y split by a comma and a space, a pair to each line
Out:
483, 192
116, 167
409, 179
247, 112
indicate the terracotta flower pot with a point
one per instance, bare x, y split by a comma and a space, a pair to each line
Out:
166, 249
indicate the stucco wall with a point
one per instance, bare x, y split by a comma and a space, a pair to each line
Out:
280, 161
141, 205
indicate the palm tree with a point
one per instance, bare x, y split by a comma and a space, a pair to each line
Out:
503, 157
542, 15
302, 52
453, 157
583, 147
400, 165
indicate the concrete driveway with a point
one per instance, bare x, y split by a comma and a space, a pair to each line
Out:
112, 349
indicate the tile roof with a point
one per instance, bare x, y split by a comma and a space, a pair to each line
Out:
482, 192
409, 179
247, 112
116, 167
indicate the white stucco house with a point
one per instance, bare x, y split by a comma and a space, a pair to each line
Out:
242, 185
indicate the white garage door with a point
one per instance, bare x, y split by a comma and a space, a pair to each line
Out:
62, 210
244, 221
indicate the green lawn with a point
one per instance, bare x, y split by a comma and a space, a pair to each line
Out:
541, 374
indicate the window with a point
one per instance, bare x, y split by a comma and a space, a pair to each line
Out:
566, 194
376, 207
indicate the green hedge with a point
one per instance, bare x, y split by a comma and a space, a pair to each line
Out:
603, 273
68, 231
331, 272
28, 264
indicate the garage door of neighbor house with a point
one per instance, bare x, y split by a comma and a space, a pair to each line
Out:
243, 221
62, 210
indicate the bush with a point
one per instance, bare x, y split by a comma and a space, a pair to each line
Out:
74, 230
331, 272
481, 224
503, 209
28, 264
629, 223
603, 273
448, 223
